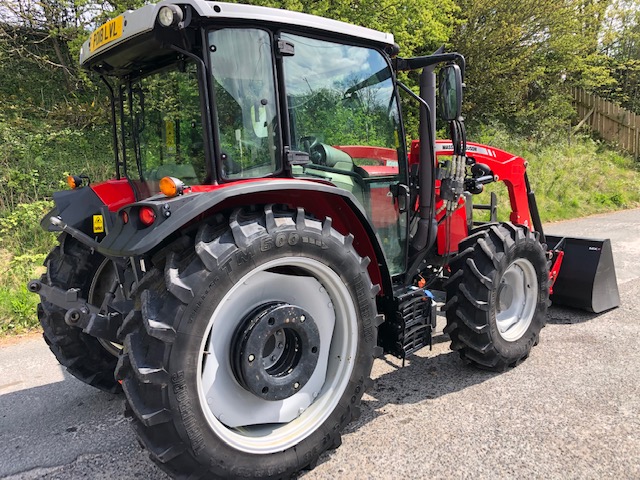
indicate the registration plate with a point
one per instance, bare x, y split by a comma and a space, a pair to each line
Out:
107, 33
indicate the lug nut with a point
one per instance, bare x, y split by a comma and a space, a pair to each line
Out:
252, 357
296, 385
302, 318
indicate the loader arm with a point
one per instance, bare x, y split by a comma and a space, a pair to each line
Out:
507, 168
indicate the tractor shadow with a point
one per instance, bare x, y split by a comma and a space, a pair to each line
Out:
64, 425
426, 376
557, 315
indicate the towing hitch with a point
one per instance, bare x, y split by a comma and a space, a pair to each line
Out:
80, 314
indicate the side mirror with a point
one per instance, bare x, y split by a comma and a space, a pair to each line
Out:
450, 89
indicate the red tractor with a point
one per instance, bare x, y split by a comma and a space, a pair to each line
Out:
269, 233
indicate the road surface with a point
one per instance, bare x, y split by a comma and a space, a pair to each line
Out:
572, 410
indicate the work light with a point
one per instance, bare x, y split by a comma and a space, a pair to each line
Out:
169, 16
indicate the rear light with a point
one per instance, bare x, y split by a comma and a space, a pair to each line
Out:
125, 217
171, 186
147, 215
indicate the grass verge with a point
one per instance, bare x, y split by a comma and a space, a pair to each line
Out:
570, 179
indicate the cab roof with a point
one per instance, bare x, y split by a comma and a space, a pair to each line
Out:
137, 23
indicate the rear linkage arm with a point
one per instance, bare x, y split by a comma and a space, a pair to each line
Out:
101, 322
80, 314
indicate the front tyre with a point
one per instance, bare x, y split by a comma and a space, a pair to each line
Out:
252, 348
497, 296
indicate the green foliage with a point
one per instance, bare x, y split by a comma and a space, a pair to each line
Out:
23, 248
520, 53
20, 230
35, 157
418, 26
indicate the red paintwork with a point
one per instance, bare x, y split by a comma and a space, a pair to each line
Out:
555, 270
386, 156
115, 194
507, 167
454, 229
379, 170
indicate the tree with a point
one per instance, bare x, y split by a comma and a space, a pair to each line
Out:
621, 44
520, 53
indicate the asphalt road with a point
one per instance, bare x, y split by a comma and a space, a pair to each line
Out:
572, 410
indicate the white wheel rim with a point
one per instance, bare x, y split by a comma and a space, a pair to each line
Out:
255, 425
516, 299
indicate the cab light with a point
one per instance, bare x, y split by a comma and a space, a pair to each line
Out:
170, 16
171, 186
147, 216
74, 181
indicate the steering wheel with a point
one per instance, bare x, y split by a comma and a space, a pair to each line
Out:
314, 148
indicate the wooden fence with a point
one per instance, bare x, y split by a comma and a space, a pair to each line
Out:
611, 121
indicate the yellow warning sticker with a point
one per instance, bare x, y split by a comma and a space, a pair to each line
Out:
98, 224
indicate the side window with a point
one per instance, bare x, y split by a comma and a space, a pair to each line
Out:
164, 127
343, 112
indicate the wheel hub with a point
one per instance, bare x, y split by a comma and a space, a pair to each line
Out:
275, 351
517, 297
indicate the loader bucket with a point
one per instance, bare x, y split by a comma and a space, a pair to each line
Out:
587, 276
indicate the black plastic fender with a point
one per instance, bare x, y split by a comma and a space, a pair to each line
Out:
76, 209
173, 214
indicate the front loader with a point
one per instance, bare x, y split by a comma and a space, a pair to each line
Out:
269, 232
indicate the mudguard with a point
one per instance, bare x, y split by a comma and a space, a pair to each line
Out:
174, 214
76, 208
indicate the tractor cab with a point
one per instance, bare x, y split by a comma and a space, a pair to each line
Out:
211, 93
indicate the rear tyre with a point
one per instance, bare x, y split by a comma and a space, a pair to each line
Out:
497, 296
73, 265
252, 346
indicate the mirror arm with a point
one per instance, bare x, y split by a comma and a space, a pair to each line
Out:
414, 63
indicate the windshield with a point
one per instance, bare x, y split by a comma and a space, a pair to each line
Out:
162, 126
244, 90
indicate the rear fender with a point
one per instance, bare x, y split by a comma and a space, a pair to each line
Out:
78, 207
175, 214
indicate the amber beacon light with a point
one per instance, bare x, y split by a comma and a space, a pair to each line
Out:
171, 186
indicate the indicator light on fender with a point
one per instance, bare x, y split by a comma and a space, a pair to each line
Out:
74, 181
171, 186
147, 216
125, 217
